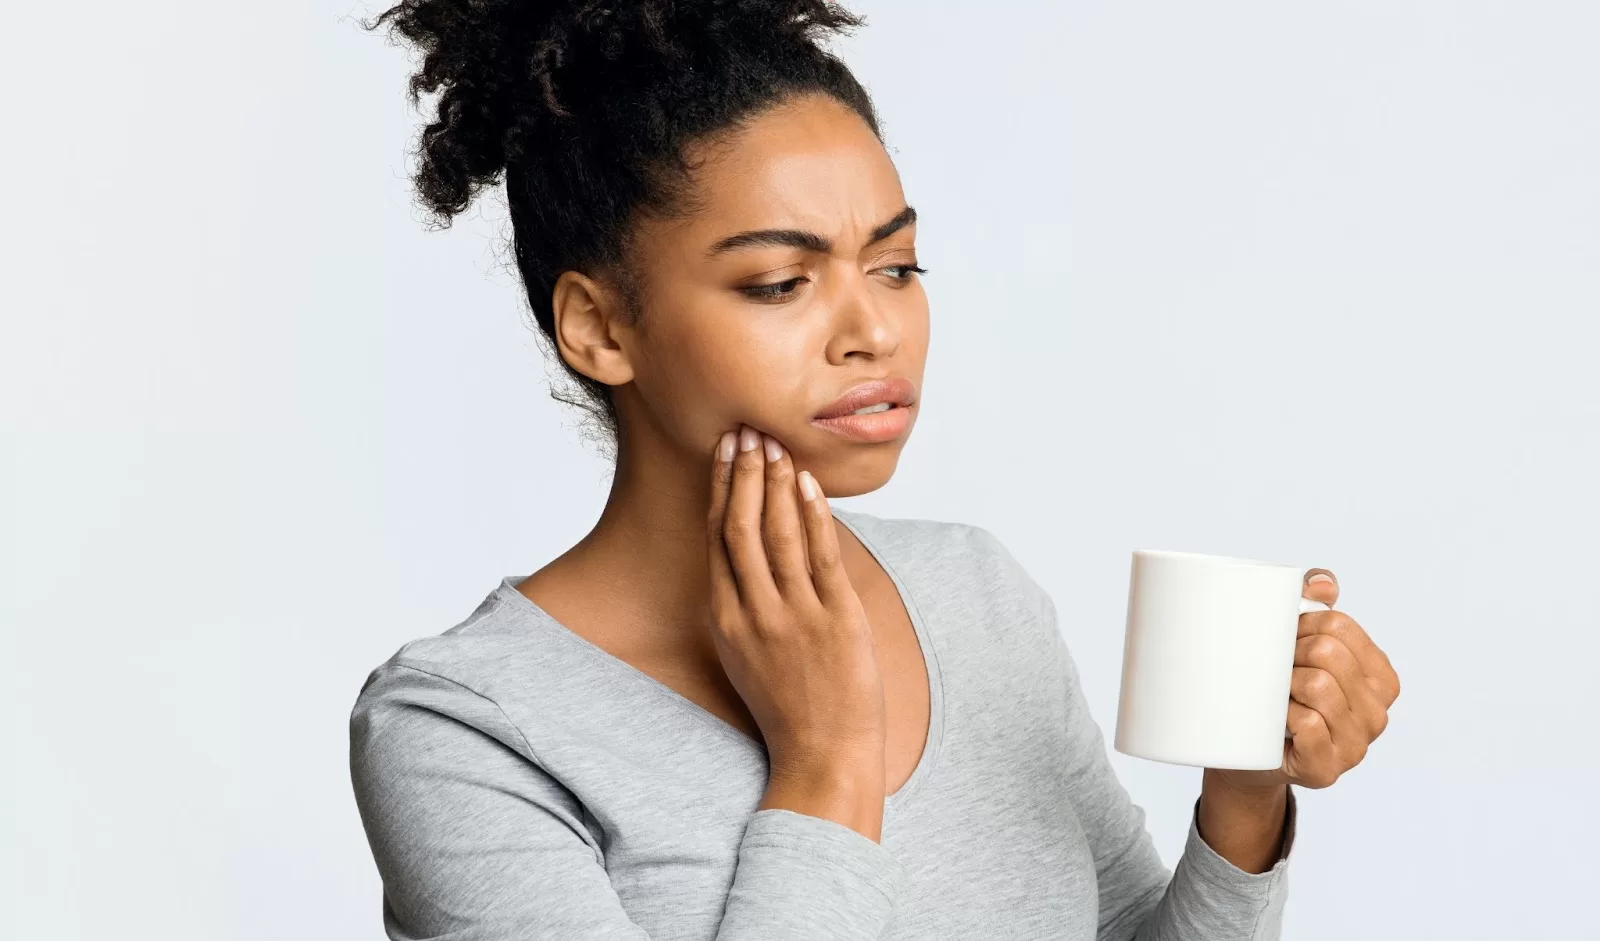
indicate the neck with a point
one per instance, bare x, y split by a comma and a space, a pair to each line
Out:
652, 532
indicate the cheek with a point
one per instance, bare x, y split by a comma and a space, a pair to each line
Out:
718, 369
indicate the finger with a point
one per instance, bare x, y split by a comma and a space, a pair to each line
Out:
1327, 652
1310, 759
828, 577
1321, 585
782, 527
1386, 682
1374, 662
741, 528
1375, 665
1317, 689
724, 591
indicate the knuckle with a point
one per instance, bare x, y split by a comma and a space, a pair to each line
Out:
1342, 626
780, 472
782, 536
769, 621
1322, 648
1319, 683
739, 531
744, 476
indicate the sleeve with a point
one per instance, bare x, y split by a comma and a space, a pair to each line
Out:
475, 842
1205, 897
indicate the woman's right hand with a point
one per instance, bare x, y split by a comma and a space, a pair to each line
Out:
792, 635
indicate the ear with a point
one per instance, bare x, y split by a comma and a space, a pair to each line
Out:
590, 319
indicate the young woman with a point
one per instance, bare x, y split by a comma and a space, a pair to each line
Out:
731, 711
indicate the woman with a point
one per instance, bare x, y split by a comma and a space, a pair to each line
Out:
730, 712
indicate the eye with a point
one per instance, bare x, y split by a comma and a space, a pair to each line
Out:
777, 291
904, 273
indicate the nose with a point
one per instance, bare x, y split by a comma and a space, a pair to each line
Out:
862, 327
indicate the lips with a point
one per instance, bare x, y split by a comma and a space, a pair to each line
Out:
898, 392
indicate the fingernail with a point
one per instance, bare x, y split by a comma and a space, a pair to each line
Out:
774, 450
725, 446
808, 487
748, 439
1320, 577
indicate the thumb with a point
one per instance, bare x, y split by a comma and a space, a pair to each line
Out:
1320, 585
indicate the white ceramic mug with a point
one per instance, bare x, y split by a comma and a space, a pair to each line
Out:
1208, 657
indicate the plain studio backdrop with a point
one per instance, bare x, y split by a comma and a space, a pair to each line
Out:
1315, 284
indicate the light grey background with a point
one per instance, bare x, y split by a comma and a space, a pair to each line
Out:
1308, 283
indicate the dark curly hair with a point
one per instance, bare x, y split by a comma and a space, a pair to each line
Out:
587, 106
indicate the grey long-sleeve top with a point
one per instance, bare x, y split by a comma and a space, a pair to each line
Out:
518, 783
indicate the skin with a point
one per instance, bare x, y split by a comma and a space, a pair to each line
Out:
712, 570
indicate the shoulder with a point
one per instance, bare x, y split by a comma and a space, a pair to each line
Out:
458, 675
433, 733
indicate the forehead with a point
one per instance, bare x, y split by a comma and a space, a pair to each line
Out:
811, 163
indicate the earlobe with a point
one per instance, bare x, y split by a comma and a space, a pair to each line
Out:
589, 321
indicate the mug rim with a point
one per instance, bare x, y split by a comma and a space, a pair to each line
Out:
1207, 557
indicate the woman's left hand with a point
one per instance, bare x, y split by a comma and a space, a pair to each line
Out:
1339, 697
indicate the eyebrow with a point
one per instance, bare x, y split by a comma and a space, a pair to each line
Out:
809, 241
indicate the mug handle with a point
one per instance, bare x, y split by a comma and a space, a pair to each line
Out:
1307, 605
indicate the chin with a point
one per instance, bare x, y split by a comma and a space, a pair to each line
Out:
856, 469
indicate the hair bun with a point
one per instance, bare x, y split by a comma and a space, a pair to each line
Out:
511, 72
476, 53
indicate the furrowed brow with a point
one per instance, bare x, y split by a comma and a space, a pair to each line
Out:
807, 241
797, 238
901, 219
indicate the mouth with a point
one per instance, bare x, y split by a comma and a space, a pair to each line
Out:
875, 411
870, 397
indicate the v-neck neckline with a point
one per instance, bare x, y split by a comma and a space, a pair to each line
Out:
509, 595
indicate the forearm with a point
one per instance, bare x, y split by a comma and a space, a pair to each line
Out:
1245, 827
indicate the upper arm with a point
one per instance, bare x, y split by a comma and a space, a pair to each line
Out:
473, 841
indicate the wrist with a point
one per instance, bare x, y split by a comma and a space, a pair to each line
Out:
1244, 788
826, 761
847, 792
1243, 823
